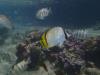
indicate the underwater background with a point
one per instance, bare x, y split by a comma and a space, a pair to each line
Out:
76, 12
17, 17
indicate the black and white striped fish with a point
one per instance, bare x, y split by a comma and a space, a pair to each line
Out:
43, 13
80, 34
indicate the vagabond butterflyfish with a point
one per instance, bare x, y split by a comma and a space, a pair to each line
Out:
53, 37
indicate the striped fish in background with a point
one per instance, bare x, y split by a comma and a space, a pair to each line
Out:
80, 34
43, 13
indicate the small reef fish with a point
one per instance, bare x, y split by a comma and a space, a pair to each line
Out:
43, 13
5, 22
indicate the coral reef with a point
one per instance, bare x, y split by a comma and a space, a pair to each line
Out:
69, 59
75, 57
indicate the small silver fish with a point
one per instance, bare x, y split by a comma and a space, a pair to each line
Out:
5, 22
43, 13
80, 34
